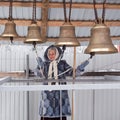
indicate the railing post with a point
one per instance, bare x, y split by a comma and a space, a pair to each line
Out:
27, 76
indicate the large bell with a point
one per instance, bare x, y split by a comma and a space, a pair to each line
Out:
33, 34
10, 30
67, 36
100, 42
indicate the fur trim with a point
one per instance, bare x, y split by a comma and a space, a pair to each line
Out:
58, 52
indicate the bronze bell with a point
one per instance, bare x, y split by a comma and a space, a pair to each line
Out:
33, 34
67, 36
10, 29
100, 42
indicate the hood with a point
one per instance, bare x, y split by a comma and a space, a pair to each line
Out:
59, 52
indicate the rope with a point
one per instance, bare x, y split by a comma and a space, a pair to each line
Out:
70, 9
64, 6
41, 71
10, 10
95, 12
103, 12
34, 12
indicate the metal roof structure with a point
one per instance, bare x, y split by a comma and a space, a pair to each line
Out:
50, 16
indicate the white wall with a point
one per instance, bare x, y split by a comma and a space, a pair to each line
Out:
13, 105
13, 58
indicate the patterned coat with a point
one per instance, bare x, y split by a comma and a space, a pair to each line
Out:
55, 103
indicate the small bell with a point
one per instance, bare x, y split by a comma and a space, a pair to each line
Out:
33, 35
10, 29
67, 36
100, 42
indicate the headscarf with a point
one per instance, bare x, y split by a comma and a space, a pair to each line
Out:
58, 52
53, 69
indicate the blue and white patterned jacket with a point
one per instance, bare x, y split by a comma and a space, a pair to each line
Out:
55, 103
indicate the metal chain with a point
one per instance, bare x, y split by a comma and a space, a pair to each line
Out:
10, 10
64, 6
34, 12
103, 12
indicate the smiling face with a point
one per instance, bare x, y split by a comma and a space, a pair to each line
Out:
51, 54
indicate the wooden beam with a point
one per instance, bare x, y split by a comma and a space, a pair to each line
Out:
13, 74
60, 5
54, 39
85, 5
82, 39
44, 23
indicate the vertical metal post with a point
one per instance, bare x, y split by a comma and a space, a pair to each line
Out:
93, 104
73, 92
27, 76
27, 66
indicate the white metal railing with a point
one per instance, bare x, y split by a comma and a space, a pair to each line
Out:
104, 91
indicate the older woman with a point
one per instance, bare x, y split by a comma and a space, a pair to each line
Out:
55, 104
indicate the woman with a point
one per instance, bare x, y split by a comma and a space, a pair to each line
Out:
54, 105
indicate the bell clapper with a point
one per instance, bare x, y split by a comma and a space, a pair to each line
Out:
64, 48
11, 40
92, 54
34, 44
